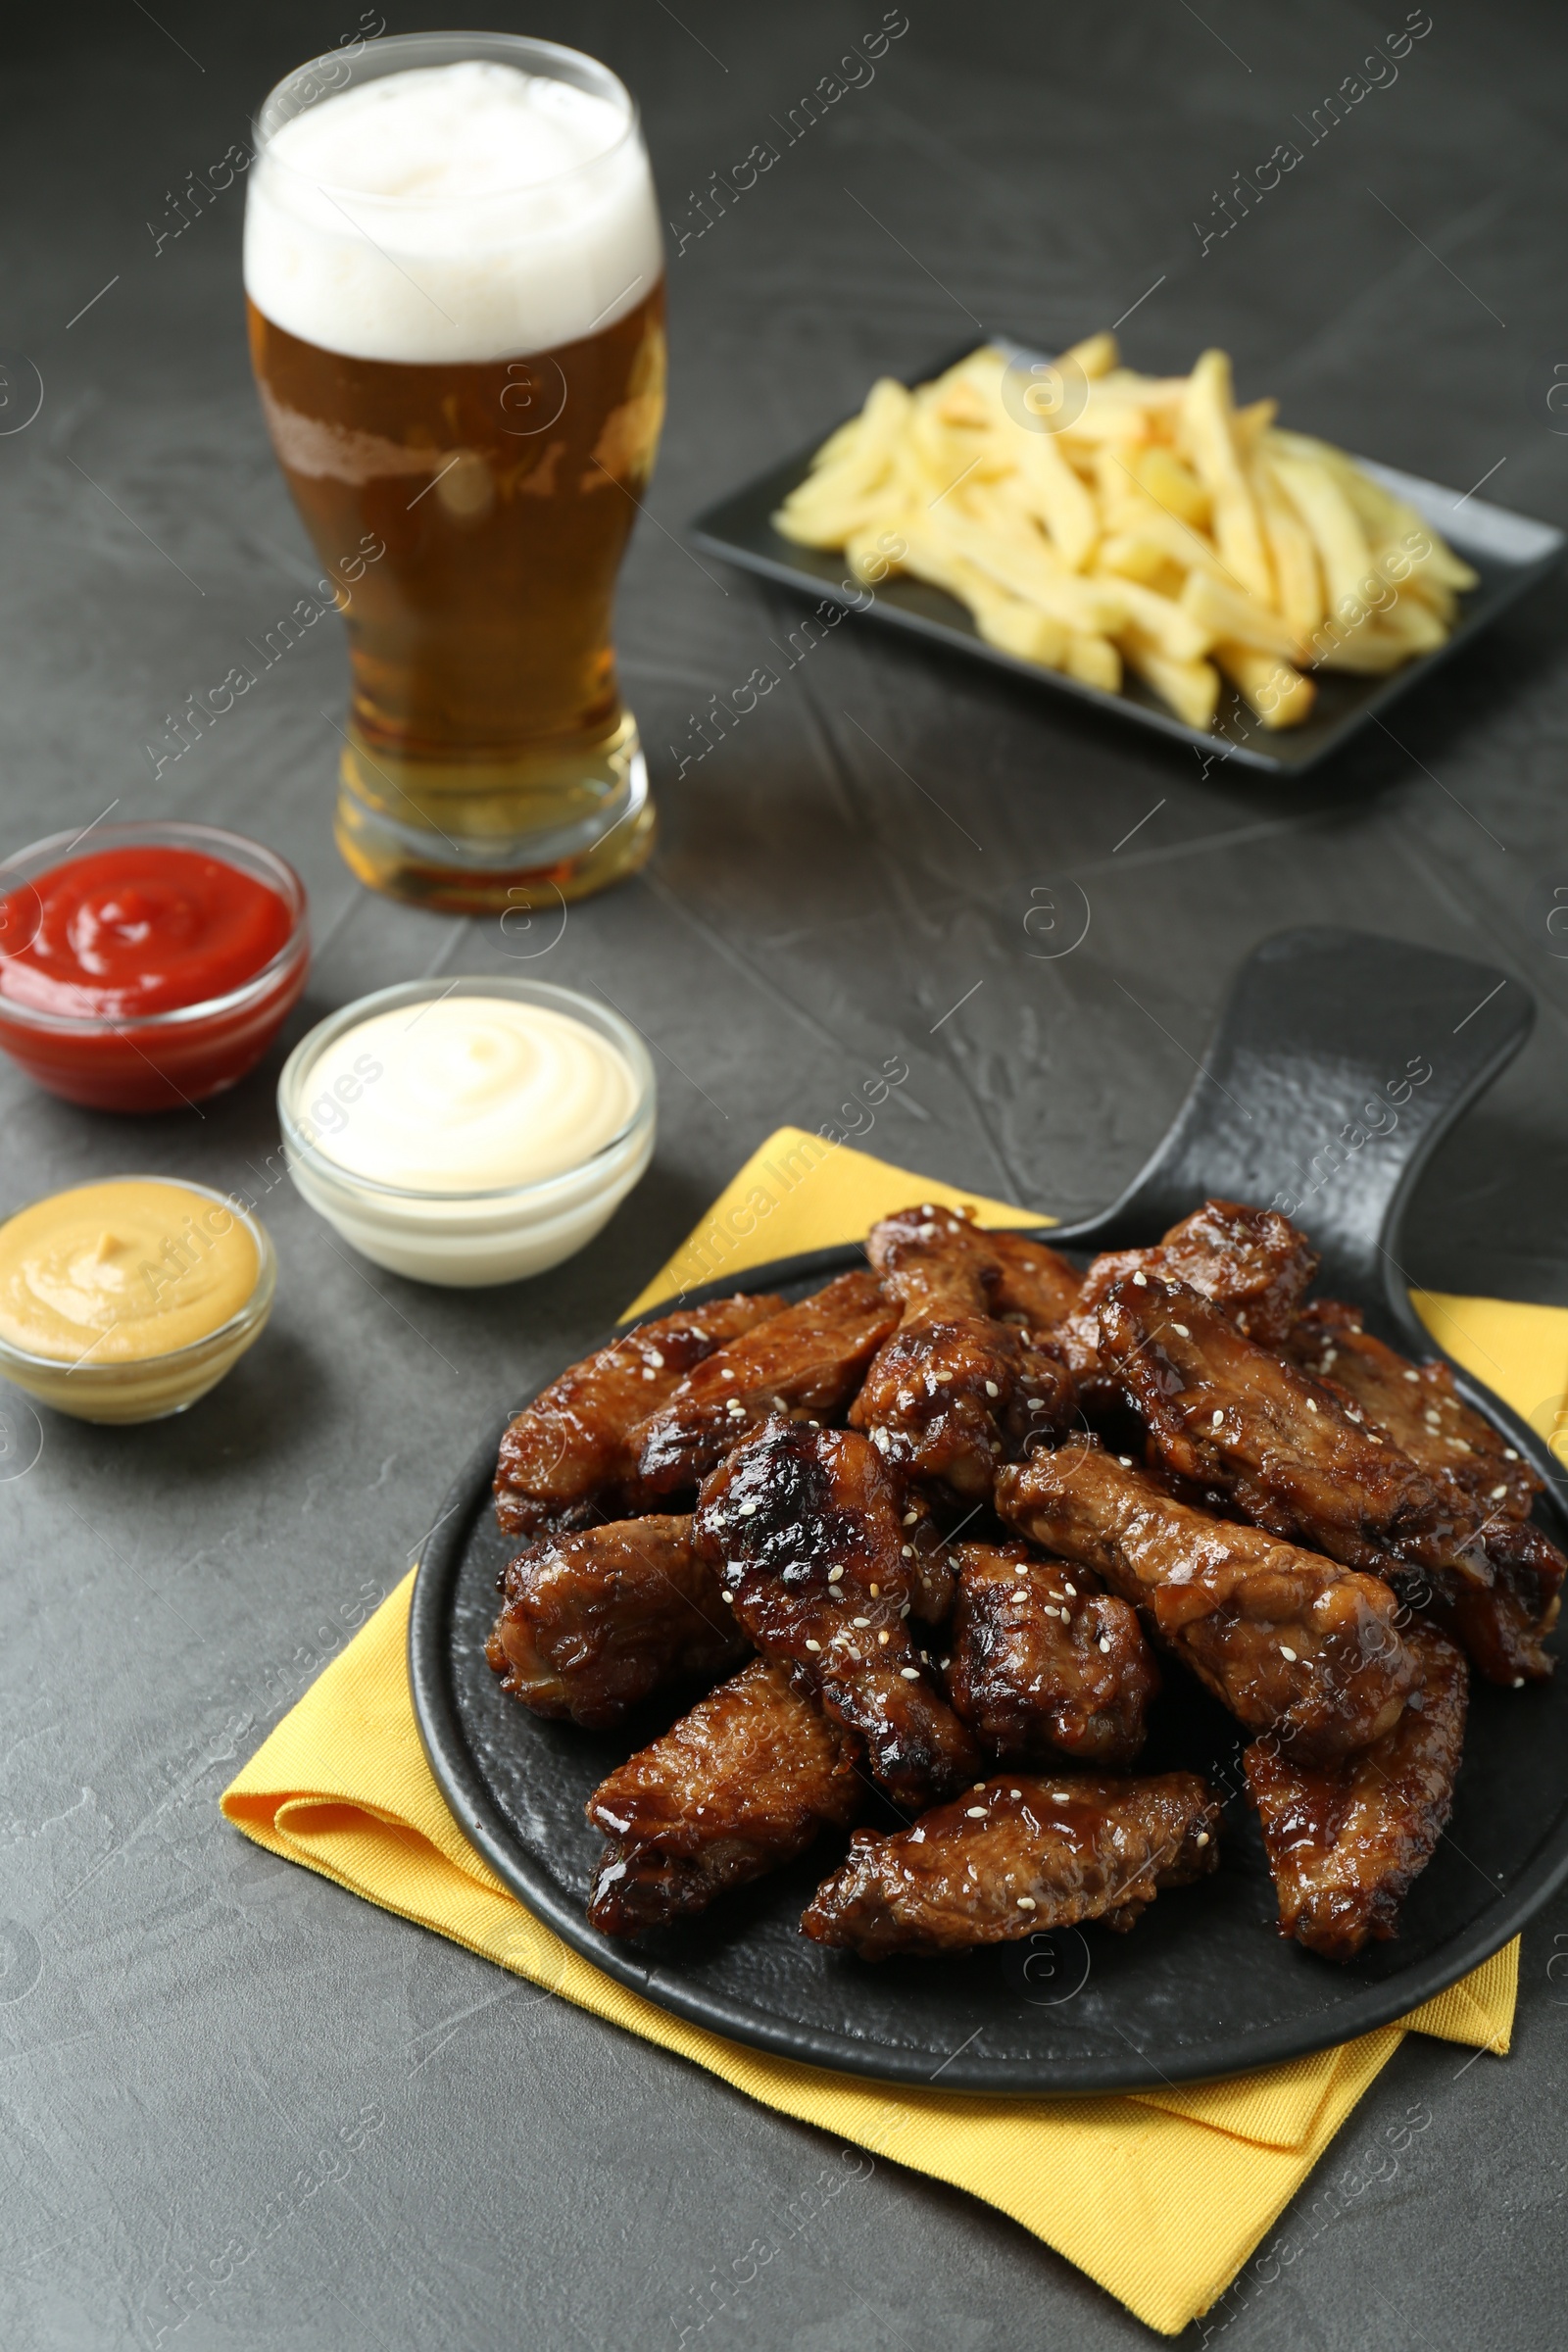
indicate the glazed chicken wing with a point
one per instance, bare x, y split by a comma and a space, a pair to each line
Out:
948, 1397
1044, 1662
807, 1360
1346, 1845
1486, 1484
1237, 1420
1014, 1856
1033, 1285
737, 1787
1285, 1639
933, 1261
1250, 1263
806, 1528
568, 1451
592, 1623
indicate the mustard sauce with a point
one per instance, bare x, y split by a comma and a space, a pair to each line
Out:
121, 1272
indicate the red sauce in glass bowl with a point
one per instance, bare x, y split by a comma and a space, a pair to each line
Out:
153, 969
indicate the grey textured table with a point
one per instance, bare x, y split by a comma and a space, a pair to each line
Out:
184, 2022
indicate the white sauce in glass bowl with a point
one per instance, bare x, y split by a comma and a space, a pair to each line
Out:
467, 1093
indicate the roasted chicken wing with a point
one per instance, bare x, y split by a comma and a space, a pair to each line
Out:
1487, 1487
1287, 1640
1273, 1441
1044, 1662
592, 1623
1033, 1285
947, 1397
807, 1360
1346, 1845
1014, 1856
569, 1452
1250, 1263
805, 1527
738, 1786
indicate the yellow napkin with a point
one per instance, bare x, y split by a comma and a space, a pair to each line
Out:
1160, 2195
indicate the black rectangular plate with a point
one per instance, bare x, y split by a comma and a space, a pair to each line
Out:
1510, 552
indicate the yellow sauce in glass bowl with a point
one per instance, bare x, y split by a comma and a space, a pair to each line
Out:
125, 1301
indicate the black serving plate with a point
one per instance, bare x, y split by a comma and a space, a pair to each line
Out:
1510, 552
1322, 1026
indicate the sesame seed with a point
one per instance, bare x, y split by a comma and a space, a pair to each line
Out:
1126, 1460
911, 1674
917, 1836
1287, 1653
1216, 1418
1498, 1493
726, 1375
1105, 1643
835, 1576
1072, 1589
1142, 1280
1202, 1839
1026, 1902
1016, 1792
979, 1784
747, 1510
1037, 1405
1312, 1404
859, 1620
655, 1356
975, 1812
648, 1372
1413, 1376
908, 1551
1048, 1610
946, 1661
992, 1388
876, 1592
1458, 1445
1510, 1454
1518, 1681
1059, 1796
882, 1642
909, 1518
1182, 1329
729, 1600
811, 1644
996, 1446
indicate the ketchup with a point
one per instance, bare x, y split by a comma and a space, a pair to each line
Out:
126, 932
149, 971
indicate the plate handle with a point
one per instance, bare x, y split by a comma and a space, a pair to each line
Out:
1339, 1062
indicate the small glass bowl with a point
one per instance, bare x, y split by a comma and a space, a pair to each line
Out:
158, 1060
465, 1240
154, 1387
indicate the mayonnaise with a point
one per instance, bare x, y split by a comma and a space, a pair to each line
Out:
466, 1094
120, 1272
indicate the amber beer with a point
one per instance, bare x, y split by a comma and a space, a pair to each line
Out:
488, 760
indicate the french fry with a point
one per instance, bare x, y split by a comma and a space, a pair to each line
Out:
1171, 629
1224, 613
1207, 426
1268, 685
1321, 503
1095, 354
1093, 662
1155, 525
1023, 630
1297, 573
1192, 688
1159, 472
1036, 576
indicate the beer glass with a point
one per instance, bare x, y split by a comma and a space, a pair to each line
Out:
455, 290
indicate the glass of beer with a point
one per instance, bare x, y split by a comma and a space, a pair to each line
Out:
454, 282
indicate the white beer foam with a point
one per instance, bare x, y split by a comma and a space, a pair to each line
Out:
460, 212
